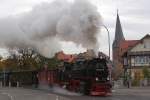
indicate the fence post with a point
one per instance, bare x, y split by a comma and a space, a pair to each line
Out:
17, 84
9, 84
1, 84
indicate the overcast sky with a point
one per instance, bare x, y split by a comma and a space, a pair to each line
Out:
134, 16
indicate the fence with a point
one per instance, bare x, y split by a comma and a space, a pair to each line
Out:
18, 78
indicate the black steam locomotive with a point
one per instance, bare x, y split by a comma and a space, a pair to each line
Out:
87, 76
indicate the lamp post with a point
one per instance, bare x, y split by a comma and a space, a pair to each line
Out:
108, 38
108, 45
4, 72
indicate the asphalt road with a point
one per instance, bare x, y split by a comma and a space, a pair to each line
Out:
28, 94
120, 94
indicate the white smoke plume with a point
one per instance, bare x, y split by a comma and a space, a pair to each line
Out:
47, 24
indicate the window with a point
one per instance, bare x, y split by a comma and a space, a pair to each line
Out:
133, 61
144, 45
125, 61
137, 59
140, 61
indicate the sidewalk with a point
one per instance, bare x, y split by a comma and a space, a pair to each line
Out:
132, 87
143, 91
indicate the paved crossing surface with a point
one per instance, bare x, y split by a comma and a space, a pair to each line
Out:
120, 94
29, 94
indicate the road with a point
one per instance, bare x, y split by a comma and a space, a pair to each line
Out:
28, 94
120, 94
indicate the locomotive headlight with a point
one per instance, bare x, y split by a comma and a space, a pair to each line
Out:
108, 78
96, 79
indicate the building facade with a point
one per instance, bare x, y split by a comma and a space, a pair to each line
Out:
136, 60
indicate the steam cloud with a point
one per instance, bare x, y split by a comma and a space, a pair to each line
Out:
46, 25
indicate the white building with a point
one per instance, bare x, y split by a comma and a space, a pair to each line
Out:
136, 58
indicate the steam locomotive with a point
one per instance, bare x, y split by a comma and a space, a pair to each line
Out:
90, 77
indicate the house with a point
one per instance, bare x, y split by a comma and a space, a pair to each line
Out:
65, 57
136, 58
89, 54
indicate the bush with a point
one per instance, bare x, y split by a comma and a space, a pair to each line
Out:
146, 72
136, 82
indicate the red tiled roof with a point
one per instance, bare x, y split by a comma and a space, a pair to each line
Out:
65, 57
125, 45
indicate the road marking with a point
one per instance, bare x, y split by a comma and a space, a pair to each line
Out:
27, 94
10, 96
50, 94
113, 90
56, 97
116, 99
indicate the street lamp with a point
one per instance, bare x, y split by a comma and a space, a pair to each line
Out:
108, 38
4, 73
108, 44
